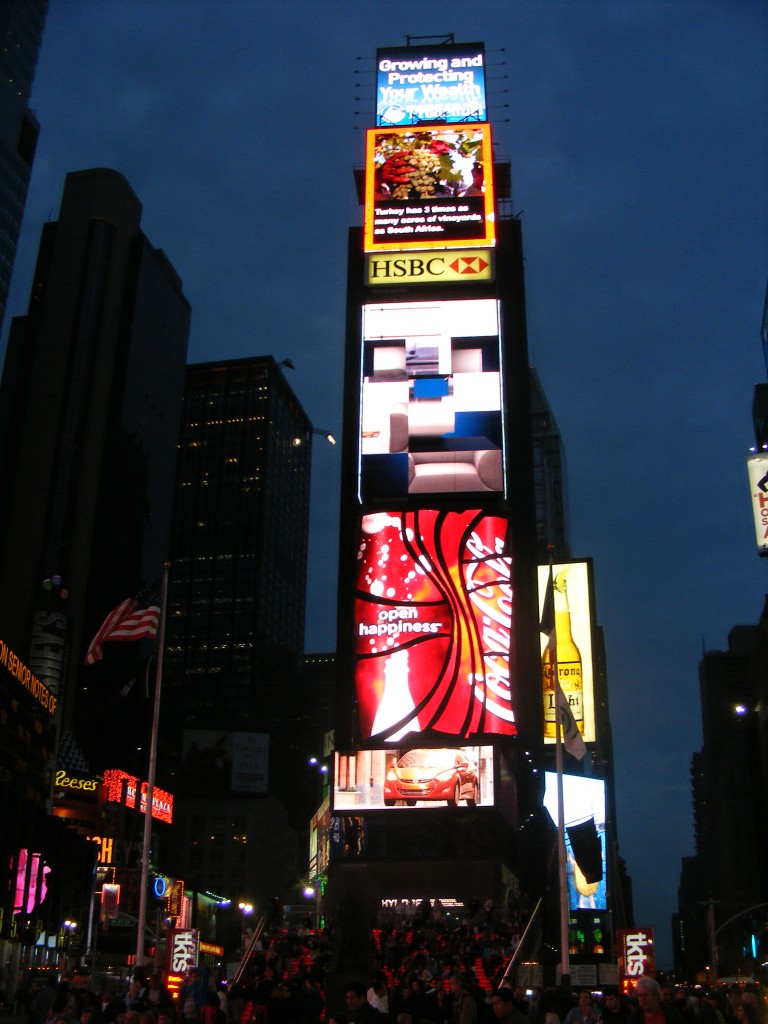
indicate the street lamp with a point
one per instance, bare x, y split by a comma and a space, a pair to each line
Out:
246, 909
69, 928
312, 892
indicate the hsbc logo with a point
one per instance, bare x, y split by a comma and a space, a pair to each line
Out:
396, 268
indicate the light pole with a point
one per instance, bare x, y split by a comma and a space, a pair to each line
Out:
246, 909
69, 928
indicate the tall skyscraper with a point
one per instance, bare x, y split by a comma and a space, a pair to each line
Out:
21, 32
549, 469
239, 553
90, 398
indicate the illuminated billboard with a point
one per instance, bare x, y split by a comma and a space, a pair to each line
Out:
414, 777
429, 188
757, 467
636, 959
573, 652
583, 803
430, 83
434, 629
431, 406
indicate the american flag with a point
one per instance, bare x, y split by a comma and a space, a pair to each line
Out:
133, 619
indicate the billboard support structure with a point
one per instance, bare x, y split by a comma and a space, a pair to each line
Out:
565, 968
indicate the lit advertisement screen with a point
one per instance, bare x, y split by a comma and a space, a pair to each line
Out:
573, 626
413, 777
433, 619
430, 83
429, 188
757, 466
431, 408
583, 800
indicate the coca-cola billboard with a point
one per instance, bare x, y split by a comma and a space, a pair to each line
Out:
434, 626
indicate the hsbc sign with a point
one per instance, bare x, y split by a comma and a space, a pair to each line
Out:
430, 267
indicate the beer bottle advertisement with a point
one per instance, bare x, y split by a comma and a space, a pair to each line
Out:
569, 648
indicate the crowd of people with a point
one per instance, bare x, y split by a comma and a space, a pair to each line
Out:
429, 969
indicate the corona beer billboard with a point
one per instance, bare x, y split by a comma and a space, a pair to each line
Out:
434, 626
430, 83
573, 652
431, 408
429, 188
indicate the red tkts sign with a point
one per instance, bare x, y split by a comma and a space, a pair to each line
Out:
635, 946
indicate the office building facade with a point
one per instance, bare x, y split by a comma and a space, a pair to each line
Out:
90, 397
21, 32
239, 555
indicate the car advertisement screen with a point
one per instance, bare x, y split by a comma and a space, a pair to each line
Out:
429, 188
430, 83
573, 650
413, 777
433, 619
431, 407
583, 802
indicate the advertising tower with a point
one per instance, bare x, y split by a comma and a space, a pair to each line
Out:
440, 719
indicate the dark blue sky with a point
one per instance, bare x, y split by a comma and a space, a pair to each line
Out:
637, 135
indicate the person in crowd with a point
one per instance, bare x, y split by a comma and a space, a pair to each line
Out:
377, 994
192, 996
359, 1010
747, 1013
158, 995
585, 1013
463, 1006
710, 1010
504, 1007
750, 997
613, 1011
650, 1008
108, 1005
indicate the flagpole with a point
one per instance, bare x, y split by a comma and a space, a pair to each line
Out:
151, 769
565, 968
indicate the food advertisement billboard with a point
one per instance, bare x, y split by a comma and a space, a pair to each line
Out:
430, 83
572, 622
434, 626
431, 400
429, 188
583, 804
757, 466
414, 777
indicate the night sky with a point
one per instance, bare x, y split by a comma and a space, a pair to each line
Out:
637, 135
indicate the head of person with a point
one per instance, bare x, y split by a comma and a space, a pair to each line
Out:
666, 994
585, 1000
648, 994
612, 1001
354, 996
713, 998
502, 1001
164, 1017
458, 983
747, 1013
